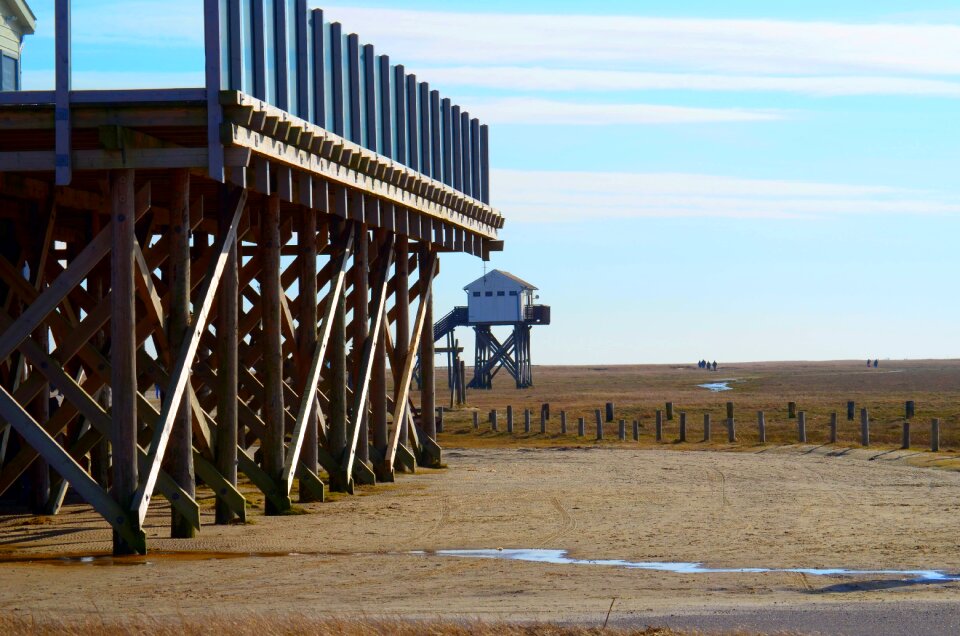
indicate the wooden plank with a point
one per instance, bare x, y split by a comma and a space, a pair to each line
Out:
401, 401
123, 351
362, 387
63, 80
180, 373
212, 68
428, 384
312, 379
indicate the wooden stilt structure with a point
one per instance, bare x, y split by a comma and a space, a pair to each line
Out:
249, 252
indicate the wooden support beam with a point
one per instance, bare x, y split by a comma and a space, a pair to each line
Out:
272, 445
360, 335
123, 350
428, 384
180, 373
362, 387
305, 416
180, 461
227, 339
401, 413
378, 379
402, 343
337, 432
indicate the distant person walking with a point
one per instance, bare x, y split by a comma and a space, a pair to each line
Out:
876, 363
714, 365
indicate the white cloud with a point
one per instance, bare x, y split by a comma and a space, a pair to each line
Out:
517, 78
540, 196
691, 45
545, 112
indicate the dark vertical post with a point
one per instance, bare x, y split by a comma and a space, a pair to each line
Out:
935, 435
456, 141
792, 410
802, 427
353, 55
361, 330
864, 427
282, 71
636, 430
509, 419
378, 384
427, 352
599, 419
475, 159
413, 124
543, 422
526, 420
622, 434
833, 428
369, 80
731, 430
180, 449
669, 411
273, 416
64, 171
910, 409
259, 50
337, 432
563, 422
234, 46
319, 69
581, 427
706, 427
302, 63
123, 348
762, 427
386, 106
467, 157
851, 410
683, 426
307, 248
906, 435
659, 426
214, 50
485, 164
426, 144
401, 343
493, 421
436, 143
400, 105
227, 374
609, 413
447, 136
336, 66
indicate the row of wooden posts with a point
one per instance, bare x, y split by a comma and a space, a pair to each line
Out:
731, 424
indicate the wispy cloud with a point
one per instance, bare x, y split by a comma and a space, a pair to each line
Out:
541, 196
545, 112
692, 45
102, 80
538, 78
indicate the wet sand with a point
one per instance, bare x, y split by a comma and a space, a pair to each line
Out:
372, 555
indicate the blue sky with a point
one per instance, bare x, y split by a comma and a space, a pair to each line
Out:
755, 180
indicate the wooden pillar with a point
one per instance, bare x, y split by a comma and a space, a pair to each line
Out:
493, 420
599, 418
669, 407
659, 426
731, 430
802, 427
864, 427
123, 351
622, 431
337, 430
636, 430
833, 428
543, 422
228, 371
361, 330
401, 344
909, 409
378, 388
427, 352
935, 435
40, 410
526, 420
510, 419
273, 407
851, 410
791, 410
307, 334
706, 427
683, 426
609, 413
476, 421
100, 454
906, 436
762, 426
563, 422
180, 449
581, 427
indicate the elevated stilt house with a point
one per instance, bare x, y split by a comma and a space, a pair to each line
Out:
16, 22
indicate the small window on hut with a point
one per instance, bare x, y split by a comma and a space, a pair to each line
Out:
501, 293
476, 294
513, 293
489, 294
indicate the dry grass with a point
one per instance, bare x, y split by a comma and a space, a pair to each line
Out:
256, 625
639, 391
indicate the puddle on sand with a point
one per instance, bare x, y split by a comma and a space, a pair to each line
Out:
561, 557
717, 387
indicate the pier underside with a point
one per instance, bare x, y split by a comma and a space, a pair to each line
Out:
159, 328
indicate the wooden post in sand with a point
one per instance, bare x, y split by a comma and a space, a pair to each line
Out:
636, 430
543, 422
599, 424
833, 428
683, 426
802, 427
609, 411
493, 420
706, 427
669, 411
526, 420
623, 430
906, 436
731, 430
581, 427
851, 410
791, 410
910, 409
762, 426
729, 410
510, 419
935, 436
476, 421
659, 426
864, 427
563, 422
